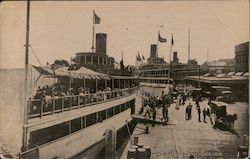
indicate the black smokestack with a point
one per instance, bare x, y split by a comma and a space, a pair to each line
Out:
101, 43
153, 50
175, 58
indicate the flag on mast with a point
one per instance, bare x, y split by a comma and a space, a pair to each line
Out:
162, 40
172, 42
96, 19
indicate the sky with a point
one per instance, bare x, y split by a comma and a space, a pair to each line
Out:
59, 29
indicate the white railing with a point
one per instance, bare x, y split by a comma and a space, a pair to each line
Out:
48, 106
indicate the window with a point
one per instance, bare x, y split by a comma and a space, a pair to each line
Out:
42, 136
123, 107
110, 112
75, 125
90, 119
101, 115
83, 122
117, 109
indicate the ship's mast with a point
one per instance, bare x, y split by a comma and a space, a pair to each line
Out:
93, 33
169, 69
24, 142
188, 44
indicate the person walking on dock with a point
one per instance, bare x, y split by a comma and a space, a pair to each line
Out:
186, 113
199, 113
197, 102
147, 111
164, 113
154, 117
209, 115
189, 111
204, 112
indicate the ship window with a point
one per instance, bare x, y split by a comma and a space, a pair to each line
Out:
110, 112
101, 60
117, 109
128, 104
90, 119
88, 59
101, 115
123, 107
132, 103
132, 106
83, 122
95, 59
75, 125
42, 136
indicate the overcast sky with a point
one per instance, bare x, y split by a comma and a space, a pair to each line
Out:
59, 29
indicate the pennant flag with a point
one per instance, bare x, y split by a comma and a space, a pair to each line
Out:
172, 42
143, 58
139, 57
162, 40
96, 19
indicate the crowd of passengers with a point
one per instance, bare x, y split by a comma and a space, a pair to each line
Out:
70, 96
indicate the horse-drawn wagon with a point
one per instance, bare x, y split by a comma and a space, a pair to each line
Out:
222, 119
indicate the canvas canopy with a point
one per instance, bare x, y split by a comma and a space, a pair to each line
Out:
80, 73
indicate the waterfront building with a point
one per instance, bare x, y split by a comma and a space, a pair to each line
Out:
242, 57
238, 83
219, 66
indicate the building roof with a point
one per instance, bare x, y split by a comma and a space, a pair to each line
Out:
215, 80
81, 73
243, 47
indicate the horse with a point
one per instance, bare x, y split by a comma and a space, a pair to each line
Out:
231, 119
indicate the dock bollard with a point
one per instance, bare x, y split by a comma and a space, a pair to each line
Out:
134, 147
140, 145
148, 151
132, 153
141, 153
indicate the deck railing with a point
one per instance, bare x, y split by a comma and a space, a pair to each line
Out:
49, 105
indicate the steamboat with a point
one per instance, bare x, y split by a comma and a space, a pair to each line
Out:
68, 111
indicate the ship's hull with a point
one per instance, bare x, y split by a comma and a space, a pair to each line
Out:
155, 89
88, 141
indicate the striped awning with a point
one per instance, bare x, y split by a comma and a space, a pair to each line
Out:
81, 73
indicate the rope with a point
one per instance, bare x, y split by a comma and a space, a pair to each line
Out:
131, 140
35, 55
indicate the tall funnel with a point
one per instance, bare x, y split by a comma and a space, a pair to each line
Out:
101, 43
153, 50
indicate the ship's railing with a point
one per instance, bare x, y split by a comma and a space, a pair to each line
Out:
49, 105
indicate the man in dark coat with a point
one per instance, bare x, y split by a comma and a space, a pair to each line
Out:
189, 111
186, 114
199, 113
204, 112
